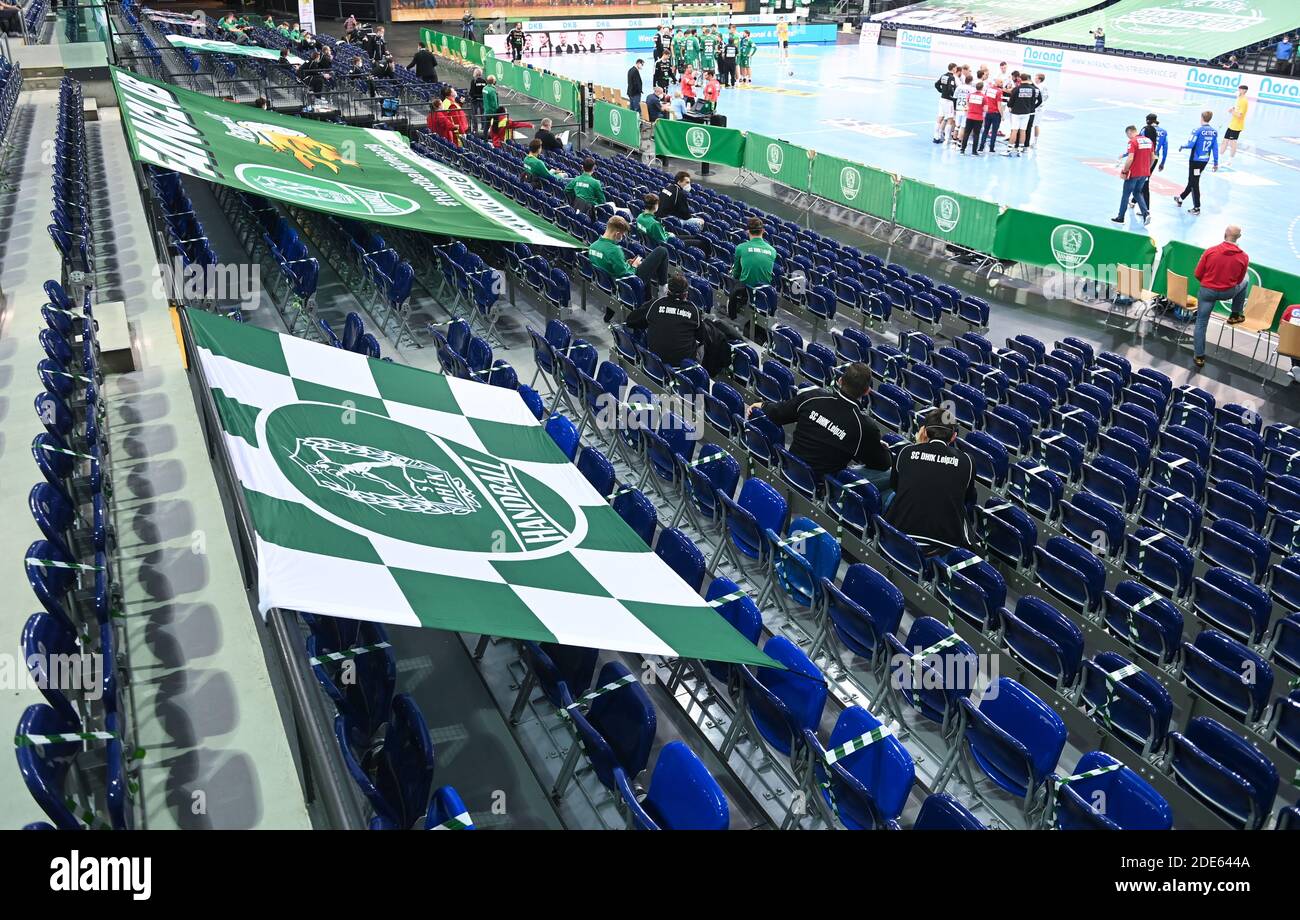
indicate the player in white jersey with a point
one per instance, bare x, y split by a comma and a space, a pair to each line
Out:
1040, 81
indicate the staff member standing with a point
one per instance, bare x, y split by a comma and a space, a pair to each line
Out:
425, 65
1203, 144
752, 266
933, 484
831, 430
490, 102
1222, 273
674, 327
515, 39
1135, 173
634, 86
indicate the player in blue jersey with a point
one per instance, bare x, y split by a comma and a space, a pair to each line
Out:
1204, 145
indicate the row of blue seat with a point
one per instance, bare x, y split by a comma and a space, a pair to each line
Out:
81, 731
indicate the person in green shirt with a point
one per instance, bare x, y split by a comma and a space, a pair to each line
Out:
744, 55
606, 254
490, 101
692, 49
586, 187
709, 51
752, 266
648, 223
534, 168
657, 235
679, 51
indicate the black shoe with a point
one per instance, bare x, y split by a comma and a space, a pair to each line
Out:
1236, 318
609, 315
1193, 210
1117, 220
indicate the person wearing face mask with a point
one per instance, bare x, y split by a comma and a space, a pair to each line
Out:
674, 202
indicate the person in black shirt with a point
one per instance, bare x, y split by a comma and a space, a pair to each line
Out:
476, 83
933, 482
634, 86
656, 104
550, 143
673, 201
674, 327
515, 41
663, 72
376, 45
425, 65
830, 428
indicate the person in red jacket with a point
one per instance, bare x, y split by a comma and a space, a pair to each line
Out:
458, 117
440, 123
688, 86
1222, 276
974, 123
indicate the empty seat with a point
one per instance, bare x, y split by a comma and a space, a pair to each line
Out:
1225, 771
1103, 794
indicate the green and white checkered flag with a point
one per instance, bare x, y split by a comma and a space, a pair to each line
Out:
382, 492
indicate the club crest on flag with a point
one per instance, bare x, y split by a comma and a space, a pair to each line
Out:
775, 157
698, 142
366, 472
325, 194
615, 121
1071, 245
947, 213
382, 478
850, 183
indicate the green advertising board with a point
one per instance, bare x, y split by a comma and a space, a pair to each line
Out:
1023, 236
560, 92
362, 173
959, 219
1193, 28
778, 160
1181, 259
862, 188
618, 124
701, 143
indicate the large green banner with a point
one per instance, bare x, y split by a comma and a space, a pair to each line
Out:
702, 143
1181, 259
959, 219
1023, 236
1194, 28
778, 160
617, 123
216, 47
382, 492
361, 173
862, 188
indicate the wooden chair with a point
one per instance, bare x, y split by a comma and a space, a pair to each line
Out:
1130, 291
1176, 293
1261, 307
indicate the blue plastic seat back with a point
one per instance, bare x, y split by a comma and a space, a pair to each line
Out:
935, 682
1014, 737
942, 812
1225, 771
683, 795
804, 558
1215, 663
366, 697
782, 703
1144, 619
681, 554
404, 766
598, 470
1133, 705
639, 514
1045, 639
871, 785
625, 719
1115, 800
1233, 603
45, 767
445, 808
